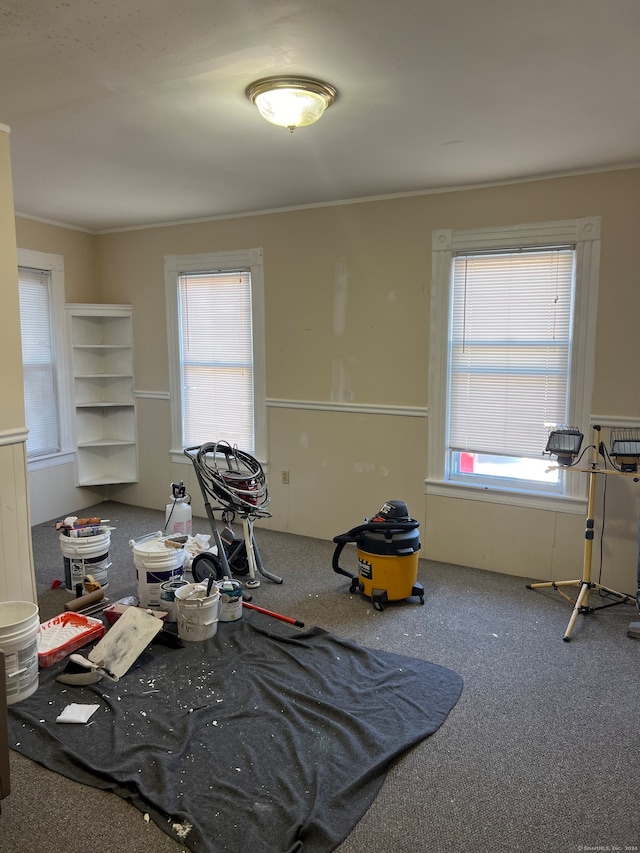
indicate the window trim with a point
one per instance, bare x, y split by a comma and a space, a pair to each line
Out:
54, 264
584, 235
174, 265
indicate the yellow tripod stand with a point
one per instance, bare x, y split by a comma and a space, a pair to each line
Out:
585, 584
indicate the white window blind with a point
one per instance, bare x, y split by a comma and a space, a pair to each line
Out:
38, 360
216, 358
510, 347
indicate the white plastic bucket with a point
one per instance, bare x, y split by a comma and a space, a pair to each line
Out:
230, 600
88, 555
197, 611
19, 626
156, 564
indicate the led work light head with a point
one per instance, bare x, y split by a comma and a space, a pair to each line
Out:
564, 443
625, 448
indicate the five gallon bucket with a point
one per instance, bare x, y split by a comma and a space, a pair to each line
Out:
156, 564
85, 556
19, 626
197, 611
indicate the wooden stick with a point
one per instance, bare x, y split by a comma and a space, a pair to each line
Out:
282, 618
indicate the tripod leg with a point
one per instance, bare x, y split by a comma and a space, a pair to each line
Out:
555, 585
582, 597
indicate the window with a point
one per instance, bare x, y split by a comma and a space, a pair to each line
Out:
215, 308
512, 353
42, 324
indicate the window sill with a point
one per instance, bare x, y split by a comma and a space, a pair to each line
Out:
531, 500
41, 462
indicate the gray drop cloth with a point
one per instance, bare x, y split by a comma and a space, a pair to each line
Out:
264, 738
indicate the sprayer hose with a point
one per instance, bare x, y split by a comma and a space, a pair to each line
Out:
240, 485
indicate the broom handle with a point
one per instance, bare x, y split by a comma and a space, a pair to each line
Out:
288, 619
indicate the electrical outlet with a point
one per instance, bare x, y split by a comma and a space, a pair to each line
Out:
285, 478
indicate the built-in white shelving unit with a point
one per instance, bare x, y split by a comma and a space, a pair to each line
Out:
101, 339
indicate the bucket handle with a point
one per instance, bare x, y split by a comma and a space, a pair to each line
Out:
157, 535
194, 602
199, 602
17, 672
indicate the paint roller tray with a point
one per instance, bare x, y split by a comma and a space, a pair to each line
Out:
66, 633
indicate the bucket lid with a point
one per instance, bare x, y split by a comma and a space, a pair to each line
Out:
155, 551
152, 546
80, 542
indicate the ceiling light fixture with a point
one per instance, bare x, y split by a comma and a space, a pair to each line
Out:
291, 101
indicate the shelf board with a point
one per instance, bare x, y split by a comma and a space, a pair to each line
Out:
101, 404
106, 481
101, 346
103, 376
107, 442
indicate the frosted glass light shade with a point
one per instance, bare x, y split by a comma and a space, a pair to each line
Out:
291, 101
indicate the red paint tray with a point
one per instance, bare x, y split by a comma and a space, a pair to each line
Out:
64, 634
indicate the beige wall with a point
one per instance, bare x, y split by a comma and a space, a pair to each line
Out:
17, 581
347, 291
385, 247
79, 249
12, 409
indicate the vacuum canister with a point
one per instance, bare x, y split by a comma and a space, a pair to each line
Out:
387, 549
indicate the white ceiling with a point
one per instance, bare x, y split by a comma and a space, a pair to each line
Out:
133, 112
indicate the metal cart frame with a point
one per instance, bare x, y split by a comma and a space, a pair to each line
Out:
235, 482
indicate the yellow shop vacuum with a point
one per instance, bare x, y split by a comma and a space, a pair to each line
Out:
387, 547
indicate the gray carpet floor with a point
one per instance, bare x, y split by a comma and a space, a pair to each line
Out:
541, 753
